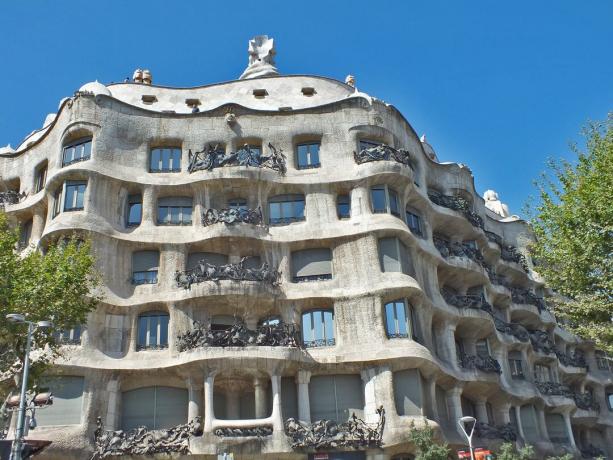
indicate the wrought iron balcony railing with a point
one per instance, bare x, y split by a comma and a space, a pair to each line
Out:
576, 359
504, 432
476, 302
456, 249
542, 342
383, 153
238, 335
319, 343
586, 401
554, 389
516, 330
591, 451
485, 364
232, 216
11, 197
494, 238
306, 279
457, 203
205, 271
511, 254
524, 296
212, 156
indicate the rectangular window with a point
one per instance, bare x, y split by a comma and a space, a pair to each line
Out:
67, 402
75, 196
57, 201
318, 328
482, 348
145, 265
515, 365
239, 204
166, 159
414, 223
377, 196
394, 203
343, 206
398, 319
77, 151
394, 256
308, 155
311, 265
336, 398
135, 210
25, 234
284, 209
152, 331
542, 373
175, 211
408, 392
41, 178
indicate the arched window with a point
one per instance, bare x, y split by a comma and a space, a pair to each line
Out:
79, 150
384, 199
154, 408
556, 428
399, 321
152, 330
318, 328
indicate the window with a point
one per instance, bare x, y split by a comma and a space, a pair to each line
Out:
135, 210
529, 423
145, 266
79, 150
251, 149
311, 265
25, 234
368, 144
414, 223
336, 397
175, 211
602, 361
240, 204
152, 330
67, 401
154, 407
556, 428
343, 206
69, 337
542, 373
74, 196
482, 348
57, 201
308, 155
165, 159
399, 319
609, 398
40, 178
318, 328
394, 256
408, 392
384, 200
515, 365
284, 209
213, 258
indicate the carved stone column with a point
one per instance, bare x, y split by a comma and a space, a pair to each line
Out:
360, 201
113, 405
449, 351
370, 404
194, 399
542, 424
502, 414
569, 429
38, 224
261, 405
304, 407
520, 428
209, 410
481, 412
149, 205
277, 416
431, 409
454, 403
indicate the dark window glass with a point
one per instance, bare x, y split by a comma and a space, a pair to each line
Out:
482, 348
318, 328
414, 223
25, 234
394, 203
610, 400
152, 330
398, 319
367, 144
308, 155
145, 267
165, 159
343, 206
285, 209
75, 196
41, 178
135, 210
255, 149
57, 202
379, 202
77, 151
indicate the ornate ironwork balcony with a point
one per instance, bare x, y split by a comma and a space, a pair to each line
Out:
576, 359
477, 302
524, 296
504, 432
142, 441
586, 401
455, 249
211, 157
327, 434
542, 342
205, 271
491, 236
232, 216
516, 330
554, 389
592, 451
256, 431
383, 153
274, 335
457, 203
485, 364
511, 254
11, 197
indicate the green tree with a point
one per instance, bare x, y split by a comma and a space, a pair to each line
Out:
509, 452
426, 446
58, 285
573, 225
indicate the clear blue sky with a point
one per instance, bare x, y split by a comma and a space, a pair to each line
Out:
499, 86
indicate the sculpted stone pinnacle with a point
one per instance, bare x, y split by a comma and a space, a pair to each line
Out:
261, 58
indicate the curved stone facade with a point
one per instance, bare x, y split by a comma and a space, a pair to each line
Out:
388, 282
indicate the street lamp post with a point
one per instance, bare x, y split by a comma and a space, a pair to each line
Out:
21, 418
461, 422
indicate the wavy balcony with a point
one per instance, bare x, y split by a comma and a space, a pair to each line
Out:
505, 432
484, 364
11, 197
457, 203
211, 157
383, 152
541, 341
232, 216
205, 271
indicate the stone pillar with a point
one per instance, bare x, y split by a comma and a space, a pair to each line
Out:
481, 412
449, 351
194, 399
38, 225
133, 318
261, 405
430, 399
542, 424
569, 429
209, 410
502, 414
113, 406
370, 404
454, 403
277, 416
360, 201
149, 205
304, 407
520, 428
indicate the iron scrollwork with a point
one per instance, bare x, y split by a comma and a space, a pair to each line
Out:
504, 432
142, 441
212, 156
485, 364
554, 389
232, 216
524, 296
327, 434
542, 342
457, 203
273, 335
383, 152
11, 197
205, 271
586, 401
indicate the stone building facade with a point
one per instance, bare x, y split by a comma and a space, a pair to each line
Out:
286, 248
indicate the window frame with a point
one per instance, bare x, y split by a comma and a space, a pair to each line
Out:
71, 336
170, 214
409, 315
516, 367
77, 184
40, 177
292, 198
310, 278
25, 233
388, 191
324, 341
171, 160
367, 143
418, 230
149, 324
151, 275
310, 164
134, 199
82, 141
348, 204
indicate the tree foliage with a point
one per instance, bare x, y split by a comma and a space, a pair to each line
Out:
509, 452
426, 446
58, 285
573, 225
